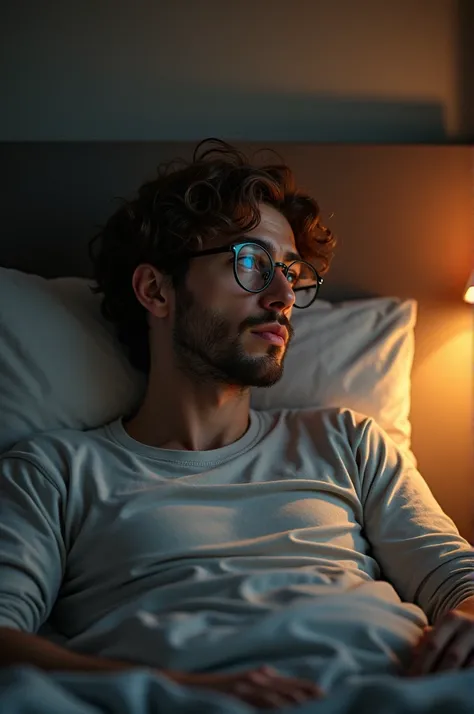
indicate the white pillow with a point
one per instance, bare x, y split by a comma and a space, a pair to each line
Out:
356, 354
61, 365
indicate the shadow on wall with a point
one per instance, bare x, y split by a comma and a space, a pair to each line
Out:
329, 118
270, 116
325, 118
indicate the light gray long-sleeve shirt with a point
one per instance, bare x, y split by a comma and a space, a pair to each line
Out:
310, 543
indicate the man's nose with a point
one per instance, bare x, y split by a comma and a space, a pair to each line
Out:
278, 292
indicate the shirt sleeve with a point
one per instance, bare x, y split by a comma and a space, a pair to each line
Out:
32, 551
417, 546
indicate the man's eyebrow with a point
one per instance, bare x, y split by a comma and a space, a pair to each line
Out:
289, 255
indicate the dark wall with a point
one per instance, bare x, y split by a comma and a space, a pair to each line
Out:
309, 70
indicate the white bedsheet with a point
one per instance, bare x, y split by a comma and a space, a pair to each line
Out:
25, 689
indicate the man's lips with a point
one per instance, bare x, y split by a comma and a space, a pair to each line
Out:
276, 334
271, 337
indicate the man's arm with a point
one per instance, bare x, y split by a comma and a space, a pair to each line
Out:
416, 544
263, 687
17, 648
32, 562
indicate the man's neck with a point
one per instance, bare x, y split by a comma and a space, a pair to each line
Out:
190, 417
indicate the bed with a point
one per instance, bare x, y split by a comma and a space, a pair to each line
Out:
403, 216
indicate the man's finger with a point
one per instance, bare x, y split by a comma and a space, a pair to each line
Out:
455, 655
432, 646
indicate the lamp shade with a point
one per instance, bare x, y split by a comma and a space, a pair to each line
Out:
469, 294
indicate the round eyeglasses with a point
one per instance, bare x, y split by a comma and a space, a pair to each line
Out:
254, 269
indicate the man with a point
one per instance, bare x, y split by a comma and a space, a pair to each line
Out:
197, 537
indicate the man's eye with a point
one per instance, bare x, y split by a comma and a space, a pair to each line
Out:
247, 262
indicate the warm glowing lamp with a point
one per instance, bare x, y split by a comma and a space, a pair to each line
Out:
469, 294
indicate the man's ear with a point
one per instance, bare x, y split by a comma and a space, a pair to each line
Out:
153, 289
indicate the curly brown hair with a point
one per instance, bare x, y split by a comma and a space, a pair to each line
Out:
213, 197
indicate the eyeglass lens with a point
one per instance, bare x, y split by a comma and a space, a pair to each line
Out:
253, 268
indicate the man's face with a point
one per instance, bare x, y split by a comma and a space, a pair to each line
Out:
214, 316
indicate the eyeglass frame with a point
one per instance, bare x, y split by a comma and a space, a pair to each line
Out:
236, 247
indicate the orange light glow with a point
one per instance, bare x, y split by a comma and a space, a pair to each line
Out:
469, 294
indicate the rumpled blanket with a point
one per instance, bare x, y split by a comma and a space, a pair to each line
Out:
28, 690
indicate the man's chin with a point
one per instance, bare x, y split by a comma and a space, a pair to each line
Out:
246, 372
267, 379
269, 382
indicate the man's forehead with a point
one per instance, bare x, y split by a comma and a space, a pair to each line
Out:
274, 223
288, 251
274, 232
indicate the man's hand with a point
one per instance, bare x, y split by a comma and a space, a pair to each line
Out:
446, 646
264, 687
